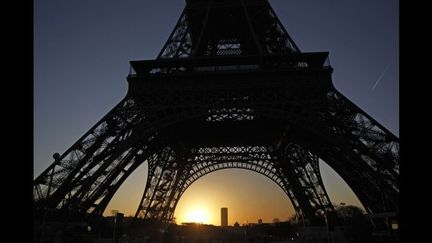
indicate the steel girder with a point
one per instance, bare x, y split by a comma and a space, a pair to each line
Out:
302, 96
85, 177
224, 108
231, 88
95, 166
294, 170
227, 27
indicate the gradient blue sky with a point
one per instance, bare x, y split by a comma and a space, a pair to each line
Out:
82, 49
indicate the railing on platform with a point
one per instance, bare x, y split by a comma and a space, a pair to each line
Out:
295, 61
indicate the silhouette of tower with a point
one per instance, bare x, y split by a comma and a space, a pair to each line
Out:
224, 216
229, 89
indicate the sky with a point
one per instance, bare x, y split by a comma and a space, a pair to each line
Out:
82, 51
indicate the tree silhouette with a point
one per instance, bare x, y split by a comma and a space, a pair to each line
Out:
357, 227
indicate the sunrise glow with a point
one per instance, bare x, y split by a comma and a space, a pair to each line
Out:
197, 216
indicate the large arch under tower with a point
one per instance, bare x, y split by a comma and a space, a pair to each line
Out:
229, 89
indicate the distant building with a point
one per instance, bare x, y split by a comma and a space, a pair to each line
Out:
236, 224
224, 216
259, 221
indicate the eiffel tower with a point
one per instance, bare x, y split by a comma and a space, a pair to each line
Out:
229, 89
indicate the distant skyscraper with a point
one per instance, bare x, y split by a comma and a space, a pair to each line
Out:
224, 216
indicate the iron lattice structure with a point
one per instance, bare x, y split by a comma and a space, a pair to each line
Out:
229, 89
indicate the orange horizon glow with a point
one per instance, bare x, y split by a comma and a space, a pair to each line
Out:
247, 195
196, 215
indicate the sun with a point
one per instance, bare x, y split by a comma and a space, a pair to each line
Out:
197, 215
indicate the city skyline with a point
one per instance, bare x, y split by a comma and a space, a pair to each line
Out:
81, 54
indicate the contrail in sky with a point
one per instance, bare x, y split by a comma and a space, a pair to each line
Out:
381, 76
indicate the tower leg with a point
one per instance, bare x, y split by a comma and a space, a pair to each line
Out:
300, 170
163, 188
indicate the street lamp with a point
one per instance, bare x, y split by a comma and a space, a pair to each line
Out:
342, 204
114, 212
327, 224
